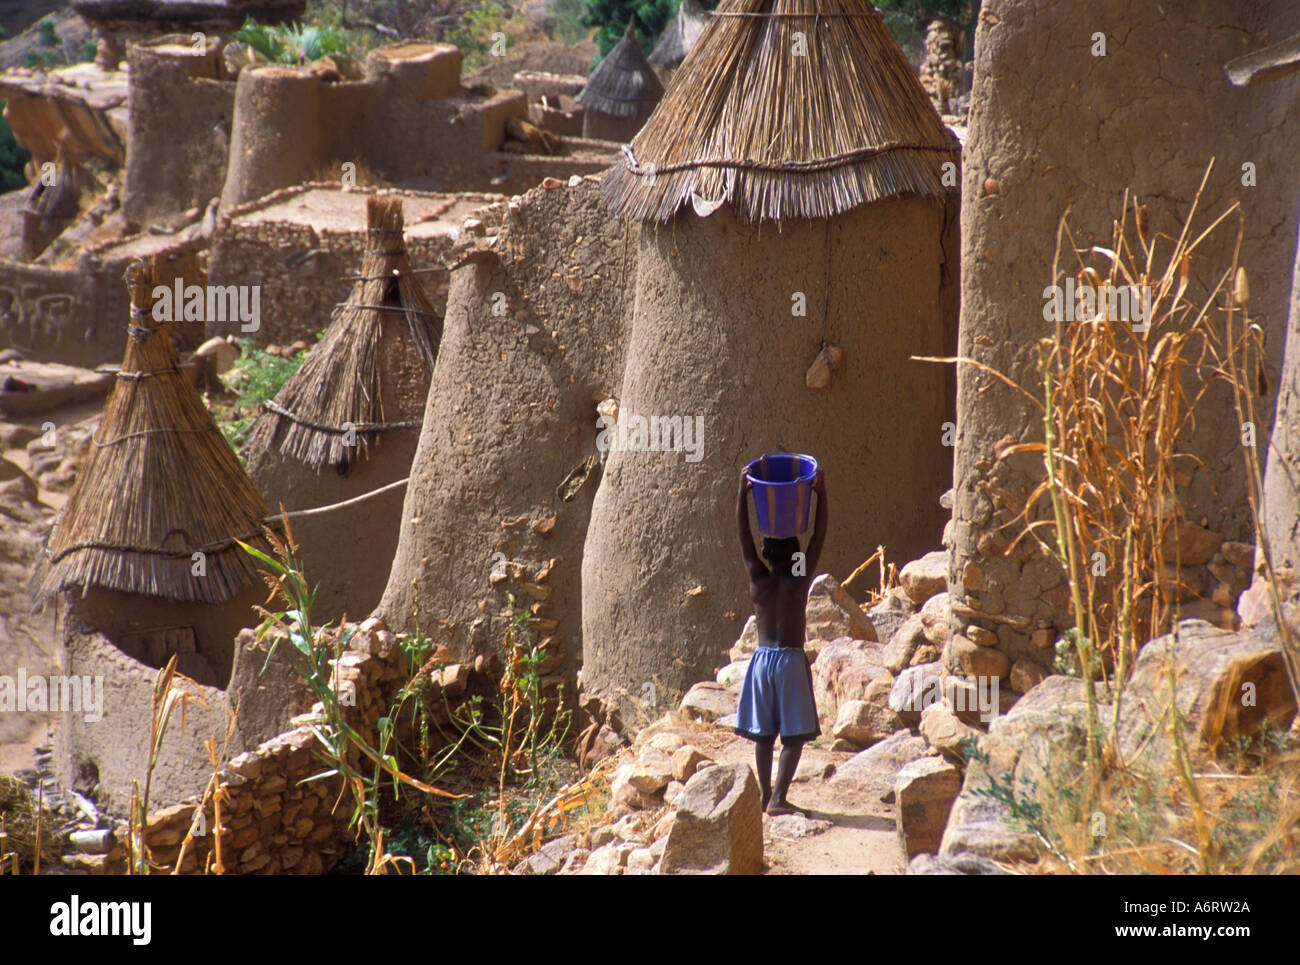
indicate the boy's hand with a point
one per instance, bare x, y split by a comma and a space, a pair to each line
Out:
819, 482
746, 483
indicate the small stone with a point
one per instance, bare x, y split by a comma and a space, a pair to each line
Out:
719, 824
707, 701
924, 792
686, 761
965, 658
981, 637
1025, 675
925, 577
652, 771
863, 722
944, 732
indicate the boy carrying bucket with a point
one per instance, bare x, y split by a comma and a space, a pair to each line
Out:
777, 695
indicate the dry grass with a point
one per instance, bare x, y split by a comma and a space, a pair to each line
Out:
781, 134
159, 485
338, 384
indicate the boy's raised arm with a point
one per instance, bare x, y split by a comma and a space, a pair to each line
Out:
753, 564
819, 524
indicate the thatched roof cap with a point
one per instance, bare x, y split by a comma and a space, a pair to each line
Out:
160, 484
680, 35
338, 384
623, 84
778, 135
165, 16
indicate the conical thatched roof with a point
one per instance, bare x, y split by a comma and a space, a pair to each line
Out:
339, 381
781, 127
680, 36
623, 84
160, 484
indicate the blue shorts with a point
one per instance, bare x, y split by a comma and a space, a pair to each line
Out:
777, 697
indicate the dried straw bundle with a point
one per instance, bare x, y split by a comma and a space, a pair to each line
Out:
339, 382
623, 84
159, 485
783, 127
681, 35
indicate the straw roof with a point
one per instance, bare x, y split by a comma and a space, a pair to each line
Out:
749, 121
160, 483
623, 84
339, 381
168, 15
680, 35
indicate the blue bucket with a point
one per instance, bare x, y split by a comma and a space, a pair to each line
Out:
782, 493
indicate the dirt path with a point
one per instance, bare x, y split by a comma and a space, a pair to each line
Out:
844, 833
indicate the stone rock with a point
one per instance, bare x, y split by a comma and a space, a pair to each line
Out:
1025, 675
549, 858
928, 864
748, 642
981, 636
719, 824
914, 689
871, 773
641, 862
923, 794
795, 826
667, 741
943, 731
609, 860
890, 614
1033, 747
843, 671
673, 792
925, 577
863, 722
652, 771
936, 619
708, 700
969, 660
686, 761
1215, 671
1188, 543
813, 769
732, 676
623, 792
831, 613
903, 644
574, 862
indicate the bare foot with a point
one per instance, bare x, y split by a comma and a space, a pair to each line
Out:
777, 808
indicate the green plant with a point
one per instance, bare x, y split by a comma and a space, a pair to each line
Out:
569, 26
255, 378
479, 29
610, 18
291, 44
13, 158
364, 770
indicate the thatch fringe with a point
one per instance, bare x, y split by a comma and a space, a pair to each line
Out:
160, 484
681, 35
623, 84
338, 384
778, 135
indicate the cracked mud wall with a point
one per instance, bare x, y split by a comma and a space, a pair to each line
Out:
1052, 125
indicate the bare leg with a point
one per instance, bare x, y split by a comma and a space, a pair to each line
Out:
763, 764
790, 753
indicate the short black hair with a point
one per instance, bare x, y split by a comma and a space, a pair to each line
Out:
779, 552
